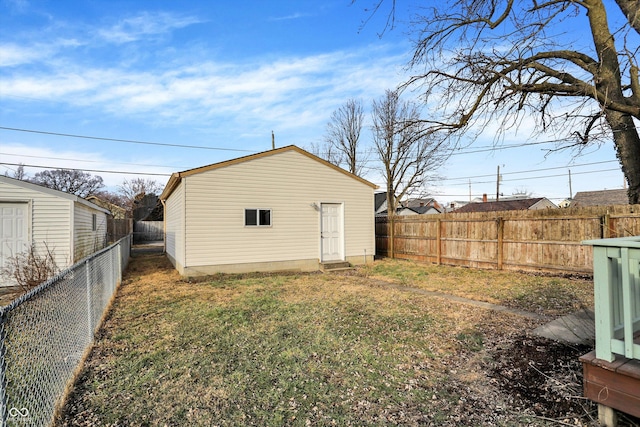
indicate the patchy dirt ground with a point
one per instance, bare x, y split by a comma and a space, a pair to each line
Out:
527, 375
493, 372
546, 375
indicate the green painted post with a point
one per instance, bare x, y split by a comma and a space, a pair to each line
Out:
602, 277
627, 314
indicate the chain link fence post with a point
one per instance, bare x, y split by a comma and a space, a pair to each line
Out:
89, 305
3, 368
44, 333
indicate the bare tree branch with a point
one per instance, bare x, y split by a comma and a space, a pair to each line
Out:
483, 62
343, 137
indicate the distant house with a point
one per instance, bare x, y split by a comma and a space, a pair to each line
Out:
600, 198
456, 204
565, 203
424, 206
68, 226
402, 210
508, 205
283, 209
117, 212
380, 203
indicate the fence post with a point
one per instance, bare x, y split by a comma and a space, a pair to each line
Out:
3, 370
500, 242
119, 262
438, 241
605, 224
87, 278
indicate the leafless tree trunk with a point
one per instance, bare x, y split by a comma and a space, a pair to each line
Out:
19, 173
409, 155
486, 61
343, 136
136, 189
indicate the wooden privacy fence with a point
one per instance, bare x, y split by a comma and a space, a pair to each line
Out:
543, 240
148, 231
118, 228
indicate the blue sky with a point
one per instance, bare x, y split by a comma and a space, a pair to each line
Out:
224, 75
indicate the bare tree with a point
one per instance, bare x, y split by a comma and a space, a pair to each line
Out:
30, 268
19, 173
136, 189
82, 184
486, 61
111, 201
343, 136
325, 151
409, 154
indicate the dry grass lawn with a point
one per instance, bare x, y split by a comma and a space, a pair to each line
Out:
330, 349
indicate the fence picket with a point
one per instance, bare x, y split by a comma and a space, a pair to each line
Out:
544, 240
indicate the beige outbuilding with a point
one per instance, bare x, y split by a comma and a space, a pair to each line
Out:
65, 225
283, 209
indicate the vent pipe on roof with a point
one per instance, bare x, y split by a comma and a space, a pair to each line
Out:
273, 141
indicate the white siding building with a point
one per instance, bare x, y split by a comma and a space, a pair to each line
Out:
69, 226
283, 209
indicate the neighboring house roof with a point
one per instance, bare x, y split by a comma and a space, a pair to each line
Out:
424, 205
507, 205
402, 210
601, 198
425, 210
380, 200
176, 177
456, 204
47, 190
118, 212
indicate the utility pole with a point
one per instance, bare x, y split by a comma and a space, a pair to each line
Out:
570, 190
498, 184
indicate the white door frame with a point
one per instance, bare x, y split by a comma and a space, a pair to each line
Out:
340, 230
10, 251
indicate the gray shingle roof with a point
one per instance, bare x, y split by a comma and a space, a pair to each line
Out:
601, 198
502, 205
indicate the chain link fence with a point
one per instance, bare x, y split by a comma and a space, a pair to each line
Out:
45, 333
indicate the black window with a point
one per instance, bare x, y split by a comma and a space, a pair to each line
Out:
257, 217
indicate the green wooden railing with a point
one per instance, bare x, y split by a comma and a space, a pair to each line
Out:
616, 277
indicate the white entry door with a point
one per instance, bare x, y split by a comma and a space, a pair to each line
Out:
13, 230
331, 232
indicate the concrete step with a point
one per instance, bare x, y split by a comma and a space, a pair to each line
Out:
335, 266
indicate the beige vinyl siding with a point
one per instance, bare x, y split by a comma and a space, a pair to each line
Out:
49, 220
86, 240
174, 223
288, 183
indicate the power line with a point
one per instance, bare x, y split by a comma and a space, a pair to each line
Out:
500, 147
91, 161
130, 141
532, 170
536, 177
461, 151
88, 170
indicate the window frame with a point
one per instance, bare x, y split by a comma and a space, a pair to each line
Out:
94, 222
258, 215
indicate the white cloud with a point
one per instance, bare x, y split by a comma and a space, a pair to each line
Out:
94, 162
289, 92
296, 15
144, 25
12, 54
